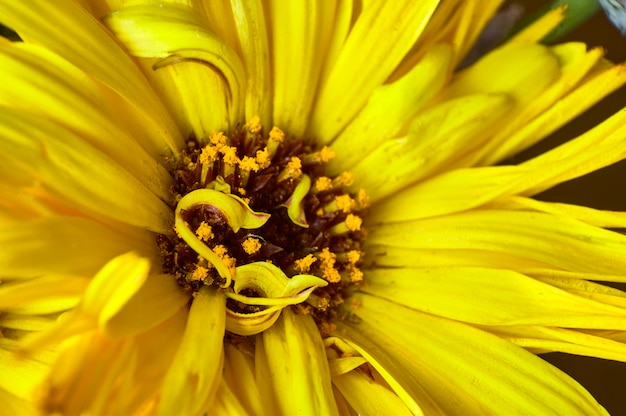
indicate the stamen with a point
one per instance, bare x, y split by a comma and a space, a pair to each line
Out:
293, 170
251, 245
351, 223
323, 156
276, 138
205, 232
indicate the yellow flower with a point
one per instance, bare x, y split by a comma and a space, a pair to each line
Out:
297, 207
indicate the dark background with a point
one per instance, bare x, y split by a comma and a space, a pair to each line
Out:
603, 189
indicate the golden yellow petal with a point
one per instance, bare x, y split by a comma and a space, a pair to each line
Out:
252, 32
538, 29
292, 370
368, 397
20, 377
48, 86
581, 247
579, 86
390, 108
12, 405
158, 299
63, 245
596, 217
390, 256
36, 152
499, 297
239, 374
297, 28
196, 372
87, 45
175, 35
489, 373
436, 137
379, 39
562, 340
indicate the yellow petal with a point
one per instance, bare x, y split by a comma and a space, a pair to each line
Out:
86, 44
499, 297
292, 370
36, 151
195, 374
596, 217
561, 340
437, 136
368, 397
390, 108
176, 35
20, 377
581, 247
381, 36
489, 373
542, 26
239, 375
252, 32
296, 30
389, 256
156, 300
12, 405
522, 71
579, 87
48, 86
63, 245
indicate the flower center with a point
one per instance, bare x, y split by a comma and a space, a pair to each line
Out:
256, 216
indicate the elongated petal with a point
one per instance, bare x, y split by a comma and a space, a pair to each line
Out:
45, 84
300, 385
505, 298
195, 374
176, 35
86, 44
389, 109
561, 339
368, 397
298, 26
436, 137
35, 151
561, 242
380, 38
490, 374
63, 245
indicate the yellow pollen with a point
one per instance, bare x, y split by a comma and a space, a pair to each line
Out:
322, 184
230, 155
263, 158
248, 164
222, 253
345, 203
303, 265
293, 170
353, 222
355, 304
331, 274
354, 256
208, 155
191, 166
327, 154
204, 232
277, 134
362, 199
254, 125
218, 139
345, 179
200, 273
356, 275
251, 245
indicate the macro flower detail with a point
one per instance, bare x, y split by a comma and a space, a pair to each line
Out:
298, 207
